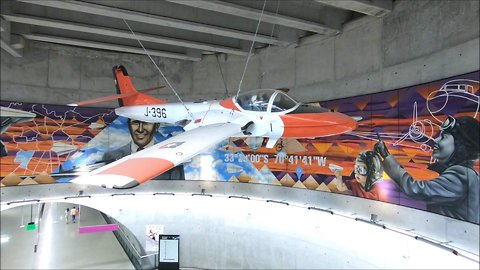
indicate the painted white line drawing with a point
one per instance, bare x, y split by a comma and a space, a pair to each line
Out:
60, 123
421, 131
460, 88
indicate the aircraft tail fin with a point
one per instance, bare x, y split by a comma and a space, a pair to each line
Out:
126, 89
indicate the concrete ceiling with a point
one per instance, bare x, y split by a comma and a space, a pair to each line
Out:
179, 29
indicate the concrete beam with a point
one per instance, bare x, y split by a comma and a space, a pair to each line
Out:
17, 42
194, 53
119, 33
9, 49
254, 14
6, 39
377, 8
287, 34
5, 30
141, 17
107, 46
4, 26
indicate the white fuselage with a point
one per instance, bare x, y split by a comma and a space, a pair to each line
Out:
205, 113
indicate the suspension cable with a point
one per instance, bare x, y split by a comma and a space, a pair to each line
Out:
251, 49
269, 45
159, 70
223, 78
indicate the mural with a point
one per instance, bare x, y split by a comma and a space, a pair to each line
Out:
410, 124
51, 135
122, 137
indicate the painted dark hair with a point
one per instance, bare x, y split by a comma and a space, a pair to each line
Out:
465, 137
374, 168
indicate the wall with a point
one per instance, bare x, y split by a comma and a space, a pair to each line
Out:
56, 74
406, 119
419, 41
219, 232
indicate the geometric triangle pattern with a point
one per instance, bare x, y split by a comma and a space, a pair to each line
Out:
392, 101
347, 150
361, 104
322, 148
425, 91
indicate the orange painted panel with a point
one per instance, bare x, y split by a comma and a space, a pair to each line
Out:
141, 169
228, 103
308, 125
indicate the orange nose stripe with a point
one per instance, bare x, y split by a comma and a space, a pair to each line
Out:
228, 103
140, 169
306, 125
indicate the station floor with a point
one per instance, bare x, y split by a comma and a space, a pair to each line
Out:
59, 245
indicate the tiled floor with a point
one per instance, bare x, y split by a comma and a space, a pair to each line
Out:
59, 245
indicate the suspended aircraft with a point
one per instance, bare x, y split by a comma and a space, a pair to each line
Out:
259, 113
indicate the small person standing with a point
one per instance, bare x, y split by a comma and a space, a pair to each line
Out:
67, 213
73, 213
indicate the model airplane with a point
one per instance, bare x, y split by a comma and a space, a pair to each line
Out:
259, 113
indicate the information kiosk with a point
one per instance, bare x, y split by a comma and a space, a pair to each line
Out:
168, 252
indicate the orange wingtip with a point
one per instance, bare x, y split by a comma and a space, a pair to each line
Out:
140, 169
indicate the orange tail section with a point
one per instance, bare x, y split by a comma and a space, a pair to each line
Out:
126, 88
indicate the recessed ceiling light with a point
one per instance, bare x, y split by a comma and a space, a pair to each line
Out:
4, 238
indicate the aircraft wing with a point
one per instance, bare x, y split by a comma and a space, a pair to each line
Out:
144, 165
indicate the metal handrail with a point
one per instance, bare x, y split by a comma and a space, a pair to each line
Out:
133, 246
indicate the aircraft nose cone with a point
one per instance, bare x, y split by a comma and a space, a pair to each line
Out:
120, 111
129, 112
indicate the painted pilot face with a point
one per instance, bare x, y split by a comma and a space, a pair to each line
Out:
444, 147
361, 172
142, 132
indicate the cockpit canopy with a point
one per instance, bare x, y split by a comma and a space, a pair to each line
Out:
266, 100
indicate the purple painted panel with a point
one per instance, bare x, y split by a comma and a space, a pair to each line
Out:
99, 228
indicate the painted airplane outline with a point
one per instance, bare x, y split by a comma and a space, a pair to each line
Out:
421, 131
